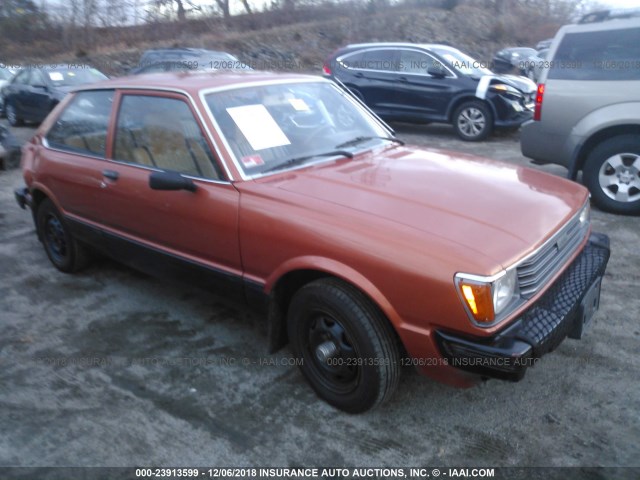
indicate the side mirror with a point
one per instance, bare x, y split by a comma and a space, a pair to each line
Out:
170, 181
436, 71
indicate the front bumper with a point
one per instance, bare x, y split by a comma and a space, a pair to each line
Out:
557, 314
510, 113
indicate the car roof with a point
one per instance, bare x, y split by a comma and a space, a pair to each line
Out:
426, 46
610, 24
193, 82
612, 14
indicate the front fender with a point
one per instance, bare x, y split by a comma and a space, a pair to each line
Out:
339, 270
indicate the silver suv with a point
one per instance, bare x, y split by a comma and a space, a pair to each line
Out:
587, 114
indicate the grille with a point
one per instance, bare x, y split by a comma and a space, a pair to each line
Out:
534, 272
546, 324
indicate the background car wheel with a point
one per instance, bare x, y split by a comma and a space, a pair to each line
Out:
12, 115
64, 251
473, 121
349, 351
12, 160
612, 174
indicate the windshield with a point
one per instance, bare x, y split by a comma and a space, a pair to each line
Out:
462, 62
66, 77
273, 126
5, 74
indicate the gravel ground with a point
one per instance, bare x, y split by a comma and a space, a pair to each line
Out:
113, 368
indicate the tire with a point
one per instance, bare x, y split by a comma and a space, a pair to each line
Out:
12, 115
473, 121
612, 175
332, 324
64, 251
12, 160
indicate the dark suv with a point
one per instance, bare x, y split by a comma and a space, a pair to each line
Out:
432, 83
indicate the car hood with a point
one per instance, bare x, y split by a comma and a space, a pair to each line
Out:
499, 210
523, 84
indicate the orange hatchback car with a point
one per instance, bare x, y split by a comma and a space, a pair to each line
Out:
285, 191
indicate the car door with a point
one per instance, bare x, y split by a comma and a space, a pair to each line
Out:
160, 132
15, 89
419, 94
373, 73
36, 98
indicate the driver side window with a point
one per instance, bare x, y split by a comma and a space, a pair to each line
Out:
163, 133
415, 62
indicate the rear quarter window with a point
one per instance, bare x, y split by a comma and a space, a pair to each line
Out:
82, 126
604, 55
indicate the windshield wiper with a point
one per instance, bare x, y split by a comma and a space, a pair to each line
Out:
355, 141
297, 160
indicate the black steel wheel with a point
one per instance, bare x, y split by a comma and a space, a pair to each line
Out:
64, 251
349, 351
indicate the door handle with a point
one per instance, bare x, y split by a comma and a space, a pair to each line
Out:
110, 174
358, 75
402, 79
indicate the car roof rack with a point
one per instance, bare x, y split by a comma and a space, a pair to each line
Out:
612, 14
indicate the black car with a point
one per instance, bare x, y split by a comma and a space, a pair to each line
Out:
432, 83
184, 59
510, 59
33, 92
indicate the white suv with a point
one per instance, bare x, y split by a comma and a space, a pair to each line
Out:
587, 115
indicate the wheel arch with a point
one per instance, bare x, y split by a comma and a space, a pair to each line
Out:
39, 194
283, 284
453, 106
583, 150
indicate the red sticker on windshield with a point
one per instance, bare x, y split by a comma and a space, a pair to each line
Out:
252, 161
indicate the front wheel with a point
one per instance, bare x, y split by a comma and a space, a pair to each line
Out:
612, 174
349, 352
473, 121
64, 251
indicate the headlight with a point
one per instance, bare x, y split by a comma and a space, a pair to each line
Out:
485, 298
503, 88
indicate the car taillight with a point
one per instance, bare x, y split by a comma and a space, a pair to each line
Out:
537, 113
326, 69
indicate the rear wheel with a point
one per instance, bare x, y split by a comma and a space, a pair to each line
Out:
64, 251
12, 115
612, 174
349, 351
473, 121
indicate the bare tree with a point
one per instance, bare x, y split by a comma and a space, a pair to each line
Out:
247, 7
223, 5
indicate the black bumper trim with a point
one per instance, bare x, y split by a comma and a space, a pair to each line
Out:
538, 330
23, 197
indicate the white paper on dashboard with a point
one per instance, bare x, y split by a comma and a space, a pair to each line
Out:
258, 126
56, 76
